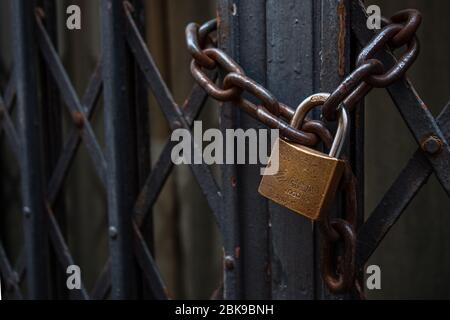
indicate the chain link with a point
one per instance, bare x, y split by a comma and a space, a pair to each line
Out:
338, 270
370, 72
341, 277
235, 82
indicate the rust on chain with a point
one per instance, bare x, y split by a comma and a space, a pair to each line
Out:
238, 80
260, 113
403, 64
210, 87
270, 112
357, 95
348, 185
206, 29
338, 270
397, 31
345, 88
193, 45
413, 20
340, 276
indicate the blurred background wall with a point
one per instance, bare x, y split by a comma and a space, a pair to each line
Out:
413, 258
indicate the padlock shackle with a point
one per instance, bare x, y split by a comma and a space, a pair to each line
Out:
319, 99
341, 133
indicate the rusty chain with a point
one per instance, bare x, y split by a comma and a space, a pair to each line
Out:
370, 72
342, 277
338, 266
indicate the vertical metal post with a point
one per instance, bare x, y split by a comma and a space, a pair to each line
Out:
35, 219
291, 76
52, 142
139, 103
294, 48
232, 288
334, 45
242, 34
120, 153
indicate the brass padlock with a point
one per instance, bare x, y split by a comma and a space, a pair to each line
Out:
306, 180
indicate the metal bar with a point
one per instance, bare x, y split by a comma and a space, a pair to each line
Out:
6, 106
89, 103
10, 91
19, 266
397, 198
143, 124
357, 158
155, 182
70, 97
140, 138
85, 109
290, 76
413, 110
333, 61
10, 130
243, 35
102, 286
145, 60
233, 287
148, 266
121, 159
52, 142
54, 186
140, 98
11, 281
35, 220
9, 95
173, 114
62, 253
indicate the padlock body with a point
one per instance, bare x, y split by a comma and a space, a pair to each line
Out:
306, 181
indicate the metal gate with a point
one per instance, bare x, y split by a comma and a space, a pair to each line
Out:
268, 252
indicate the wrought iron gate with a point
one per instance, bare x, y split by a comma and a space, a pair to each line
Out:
268, 252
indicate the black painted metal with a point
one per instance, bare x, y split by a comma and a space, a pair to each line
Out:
333, 48
291, 77
120, 156
397, 198
11, 278
277, 44
52, 144
32, 179
422, 125
413, 110
251, 251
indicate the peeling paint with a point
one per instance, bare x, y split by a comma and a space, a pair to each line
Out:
237, 252
341, 13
